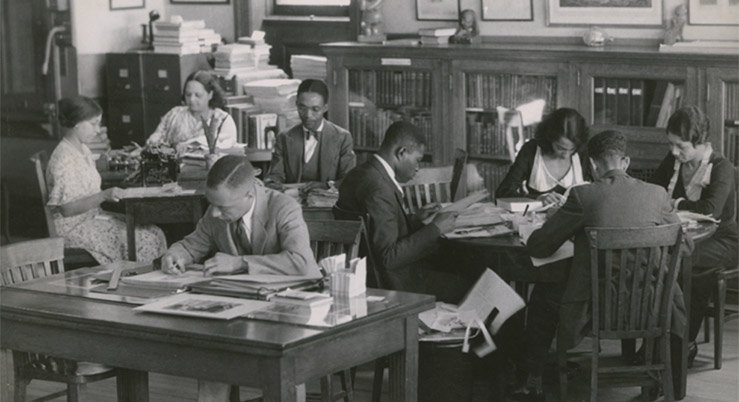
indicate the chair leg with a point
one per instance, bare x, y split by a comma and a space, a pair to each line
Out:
377, 380
347, 385
74, 392
667, 386
707, 329
20, 385
326, 388
235, 395
718, 323
593, 370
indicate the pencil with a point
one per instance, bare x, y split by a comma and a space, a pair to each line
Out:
526, 210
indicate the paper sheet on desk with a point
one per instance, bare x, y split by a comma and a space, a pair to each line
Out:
478, 232
567, 249
687, 216
461, 205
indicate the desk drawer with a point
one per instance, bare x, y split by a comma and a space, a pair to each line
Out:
123, 74
165, 74
126, 122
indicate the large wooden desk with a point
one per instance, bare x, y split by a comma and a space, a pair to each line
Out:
271, 355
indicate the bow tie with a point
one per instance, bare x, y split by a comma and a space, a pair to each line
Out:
308, 133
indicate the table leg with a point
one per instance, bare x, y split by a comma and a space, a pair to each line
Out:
404, 366
131, 231
680, 376
277, 384
133, 386
7, 375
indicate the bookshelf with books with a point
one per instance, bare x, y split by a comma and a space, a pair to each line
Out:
486, 88
636, 100
722, 96
633, 88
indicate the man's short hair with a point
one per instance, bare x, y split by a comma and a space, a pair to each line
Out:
231, 170
402, 133
608, 143
315, 86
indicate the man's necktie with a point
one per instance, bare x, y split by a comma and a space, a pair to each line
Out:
238, 231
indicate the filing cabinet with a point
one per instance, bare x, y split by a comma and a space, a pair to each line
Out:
141, 88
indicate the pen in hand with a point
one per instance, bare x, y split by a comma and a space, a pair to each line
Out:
526, 210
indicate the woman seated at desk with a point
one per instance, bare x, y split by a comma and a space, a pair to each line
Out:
203, 110
700, 180
75, 195
552, 162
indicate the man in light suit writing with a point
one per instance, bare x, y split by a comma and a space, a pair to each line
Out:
250, 229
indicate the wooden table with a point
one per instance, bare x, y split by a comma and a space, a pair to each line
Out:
272, 355
494, 247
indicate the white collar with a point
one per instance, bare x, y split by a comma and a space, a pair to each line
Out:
389, 172
320, 128
247, 218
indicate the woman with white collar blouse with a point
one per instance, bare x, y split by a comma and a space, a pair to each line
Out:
701, 180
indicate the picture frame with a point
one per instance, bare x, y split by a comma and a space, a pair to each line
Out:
507, 10
126, 4
437, 10
604, 12
713, 12
199, 1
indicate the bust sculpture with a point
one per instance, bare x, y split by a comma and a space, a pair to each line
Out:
674, 26
468, 31
371, 22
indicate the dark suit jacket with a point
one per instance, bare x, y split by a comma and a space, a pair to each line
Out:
399, 243
279, 238
336, 153
520, 171
615, 200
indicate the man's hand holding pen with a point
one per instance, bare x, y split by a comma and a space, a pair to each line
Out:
173, 265
427, 210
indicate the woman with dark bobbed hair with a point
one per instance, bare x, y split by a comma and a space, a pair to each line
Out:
203, 109
75, 195
552, 162
698, 179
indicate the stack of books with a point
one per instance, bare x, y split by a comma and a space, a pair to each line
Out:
240, 108
275, 96
436, 36
305, 66
322, 198
263, 129
208, 38
177, 36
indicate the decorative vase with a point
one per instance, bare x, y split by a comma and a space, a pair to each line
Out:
596, 37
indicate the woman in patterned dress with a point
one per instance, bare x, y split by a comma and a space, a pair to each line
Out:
75, 195
185, 125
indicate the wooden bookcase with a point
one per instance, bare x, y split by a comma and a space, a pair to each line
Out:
632, 89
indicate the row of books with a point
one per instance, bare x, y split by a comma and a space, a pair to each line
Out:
392, 87
368, 128
630, 102
487, 91
492, 174
486, 138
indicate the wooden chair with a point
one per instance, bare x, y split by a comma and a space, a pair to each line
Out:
429, 185
73, 257
33, 259
641, 266
718, 310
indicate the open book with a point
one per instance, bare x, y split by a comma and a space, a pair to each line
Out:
461, 205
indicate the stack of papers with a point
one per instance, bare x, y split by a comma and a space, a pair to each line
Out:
238, 58
304, 66
178, 36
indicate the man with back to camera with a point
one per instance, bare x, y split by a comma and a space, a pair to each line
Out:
251, 229
405, 250
614, 199
316, 151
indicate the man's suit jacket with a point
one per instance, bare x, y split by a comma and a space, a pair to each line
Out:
615, 200
279, 237
335, 150
399, 242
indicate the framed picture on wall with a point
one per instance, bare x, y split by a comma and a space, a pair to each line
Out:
126, 4
199, 1
714, 12
604, 12
442, 10
507, 10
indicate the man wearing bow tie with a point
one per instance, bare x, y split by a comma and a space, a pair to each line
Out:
316, 151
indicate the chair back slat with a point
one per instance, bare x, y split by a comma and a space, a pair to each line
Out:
40, 162
633, 273
427, 186
334, 237
32, 259
365, 247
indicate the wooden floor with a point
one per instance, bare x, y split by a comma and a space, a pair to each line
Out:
704, 383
